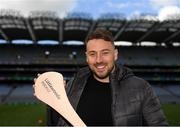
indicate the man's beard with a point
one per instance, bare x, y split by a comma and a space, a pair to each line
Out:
103, 76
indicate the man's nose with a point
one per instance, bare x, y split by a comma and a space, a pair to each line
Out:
99, 58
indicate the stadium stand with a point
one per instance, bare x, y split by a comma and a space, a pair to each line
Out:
48, 26
21, 94
20, 63
150, 55
3, 92
166, 96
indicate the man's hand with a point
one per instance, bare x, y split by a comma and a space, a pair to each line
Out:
34, 83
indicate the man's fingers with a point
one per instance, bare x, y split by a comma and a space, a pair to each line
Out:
34, 84
35, 80
34, 90
64, 81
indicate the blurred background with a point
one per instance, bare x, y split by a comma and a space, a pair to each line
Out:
48, 35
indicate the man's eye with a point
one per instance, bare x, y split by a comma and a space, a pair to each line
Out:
105, 53
92, 54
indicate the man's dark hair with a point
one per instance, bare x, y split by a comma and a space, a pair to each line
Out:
100, 34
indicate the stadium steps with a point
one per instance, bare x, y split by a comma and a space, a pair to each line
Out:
171, 92
18, 94
4, 98
164, 96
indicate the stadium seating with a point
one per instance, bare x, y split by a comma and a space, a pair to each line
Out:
20, 63
165, 96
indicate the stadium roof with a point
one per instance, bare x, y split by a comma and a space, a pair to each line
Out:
48, 26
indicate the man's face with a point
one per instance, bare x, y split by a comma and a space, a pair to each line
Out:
101, 56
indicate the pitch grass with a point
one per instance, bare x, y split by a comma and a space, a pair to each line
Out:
172, 112
35, 114
22, 115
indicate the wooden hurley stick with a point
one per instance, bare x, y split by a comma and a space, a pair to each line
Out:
49, 88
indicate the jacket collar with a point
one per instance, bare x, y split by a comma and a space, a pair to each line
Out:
121, 72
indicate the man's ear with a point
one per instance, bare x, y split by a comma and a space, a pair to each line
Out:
115, 54
86, 57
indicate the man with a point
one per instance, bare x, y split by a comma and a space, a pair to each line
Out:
108, 94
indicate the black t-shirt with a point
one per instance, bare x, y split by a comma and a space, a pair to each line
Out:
94, 106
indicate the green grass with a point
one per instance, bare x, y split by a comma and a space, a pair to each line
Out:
35, 114
172, 112
22, 115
